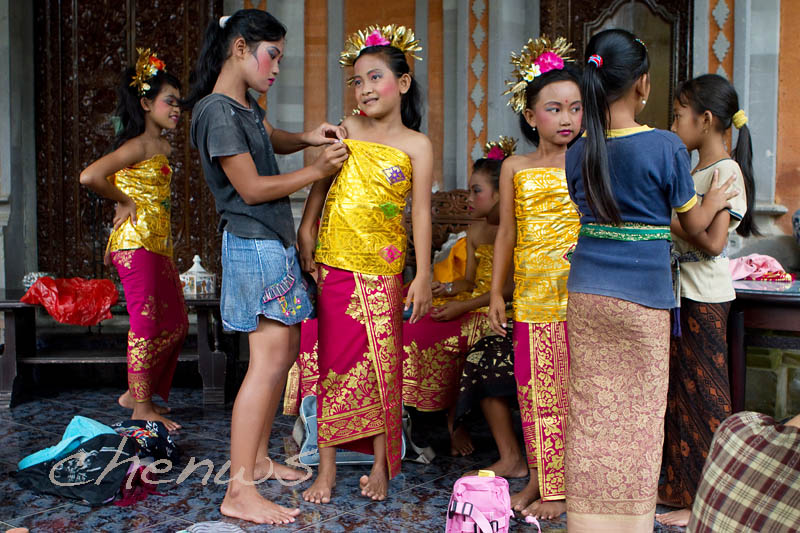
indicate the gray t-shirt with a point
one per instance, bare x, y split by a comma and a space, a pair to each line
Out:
221, 126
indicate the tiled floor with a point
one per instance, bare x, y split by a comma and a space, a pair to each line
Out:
416, 503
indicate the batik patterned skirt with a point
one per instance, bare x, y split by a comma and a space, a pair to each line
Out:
699, 397
158, 319
619, 365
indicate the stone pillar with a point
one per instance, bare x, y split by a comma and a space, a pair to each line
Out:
18, 251
511, 24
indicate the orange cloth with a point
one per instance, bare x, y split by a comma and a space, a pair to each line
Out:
454, 266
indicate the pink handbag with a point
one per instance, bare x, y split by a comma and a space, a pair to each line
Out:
479, 504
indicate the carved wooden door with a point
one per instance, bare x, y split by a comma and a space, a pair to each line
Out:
81, 49
664, 25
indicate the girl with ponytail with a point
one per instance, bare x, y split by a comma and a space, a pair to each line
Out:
705, 110
263, 290
626, 180
359, 247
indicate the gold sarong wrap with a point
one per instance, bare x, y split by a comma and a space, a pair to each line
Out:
547, 230
362, 222
148, 185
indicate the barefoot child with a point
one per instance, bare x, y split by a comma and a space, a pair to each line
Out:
539, 223
263, 292
435, 346
361, 255
137, 176
699, 393
625, 179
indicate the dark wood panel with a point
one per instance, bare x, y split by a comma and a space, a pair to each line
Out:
578, 20
81, 48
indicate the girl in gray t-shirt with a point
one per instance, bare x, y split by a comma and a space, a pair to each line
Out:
263, 292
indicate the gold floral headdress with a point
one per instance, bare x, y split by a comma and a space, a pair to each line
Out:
399, 37
536, 57
500, 149
147, 66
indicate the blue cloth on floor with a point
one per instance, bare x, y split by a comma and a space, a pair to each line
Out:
79, 430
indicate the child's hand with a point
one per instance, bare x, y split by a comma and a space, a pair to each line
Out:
124, 211
326, 134
497, 314
331, 159
306, 243
438, 288
448, 311
420, 293
717, 196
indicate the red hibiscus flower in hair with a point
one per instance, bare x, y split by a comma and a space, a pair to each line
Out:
156, 62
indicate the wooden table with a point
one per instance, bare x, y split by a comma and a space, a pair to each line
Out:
758, 305
20, 346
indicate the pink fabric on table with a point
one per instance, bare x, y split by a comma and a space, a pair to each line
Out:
758, 267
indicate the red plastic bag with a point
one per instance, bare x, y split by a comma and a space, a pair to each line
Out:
78, 301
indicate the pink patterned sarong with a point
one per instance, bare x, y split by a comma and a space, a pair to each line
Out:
360, 361
541, 368
159, 323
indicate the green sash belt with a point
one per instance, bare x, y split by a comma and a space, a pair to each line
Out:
628, 231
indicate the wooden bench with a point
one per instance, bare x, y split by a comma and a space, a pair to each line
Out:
20, 346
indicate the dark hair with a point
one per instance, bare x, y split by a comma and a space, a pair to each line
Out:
532, 90
411, 102
623, 60
128, 118
714, 93
490, 167
253, 25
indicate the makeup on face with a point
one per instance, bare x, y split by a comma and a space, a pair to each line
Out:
268, 56
373, 82
558, 112
166, 107
481, 198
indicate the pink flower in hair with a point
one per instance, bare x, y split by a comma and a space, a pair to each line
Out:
496, 153
376, 39
549, 61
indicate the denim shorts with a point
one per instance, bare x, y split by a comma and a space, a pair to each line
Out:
261, 277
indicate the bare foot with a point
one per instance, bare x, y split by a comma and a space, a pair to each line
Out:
675, 518
320, 491
145, 411
513, 468
461, 442
528, 495
246, 503
127, 401
546, 510
376, 485
269, 469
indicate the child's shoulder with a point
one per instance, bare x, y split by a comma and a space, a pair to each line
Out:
667, 138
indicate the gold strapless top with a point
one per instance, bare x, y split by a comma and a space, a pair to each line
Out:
362, 223
547, 229
148, 185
